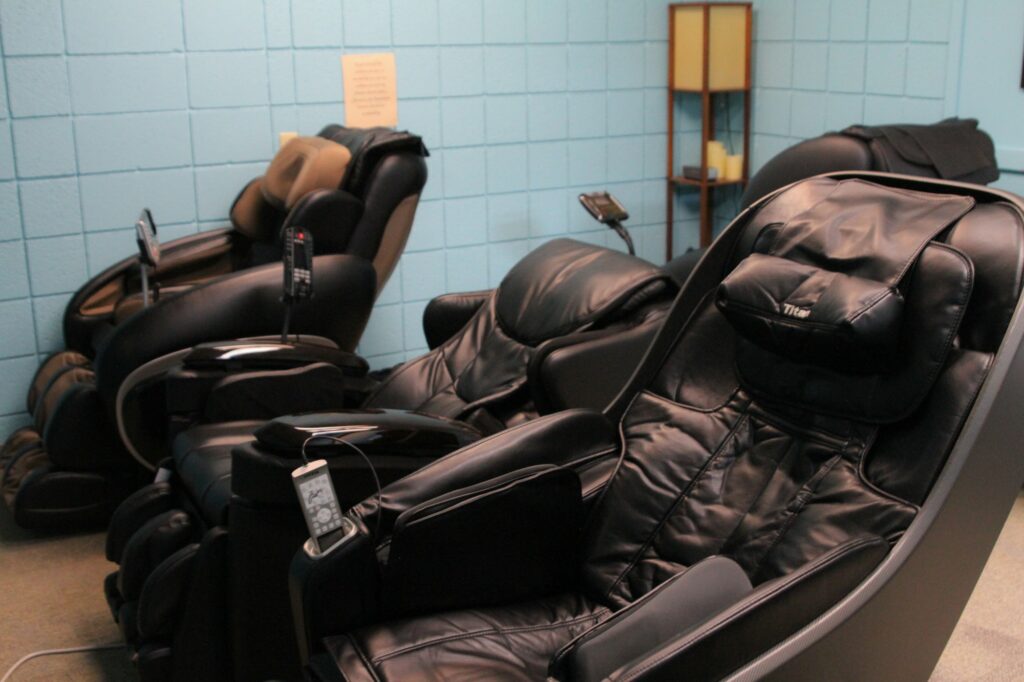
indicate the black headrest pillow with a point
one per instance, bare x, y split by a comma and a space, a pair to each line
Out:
812, 315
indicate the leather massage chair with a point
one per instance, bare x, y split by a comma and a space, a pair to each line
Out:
354, 191
203, 553
952, 149
812, 462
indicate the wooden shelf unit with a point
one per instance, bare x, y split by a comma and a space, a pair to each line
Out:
674, 180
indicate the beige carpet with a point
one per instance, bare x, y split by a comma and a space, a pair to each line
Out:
52, 591
988, 643
53, 598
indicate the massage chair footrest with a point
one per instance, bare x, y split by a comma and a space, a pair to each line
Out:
69, 500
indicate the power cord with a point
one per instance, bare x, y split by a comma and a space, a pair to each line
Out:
52, 652
369, 464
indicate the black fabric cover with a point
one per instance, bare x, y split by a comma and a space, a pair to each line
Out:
954, 147
368, 147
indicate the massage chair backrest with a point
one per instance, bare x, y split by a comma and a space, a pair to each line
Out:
355, 189
788, 347
864, 148
388, 173
560, 289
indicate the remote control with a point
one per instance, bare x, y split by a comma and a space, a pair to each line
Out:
298, 264
604, 207
327, 526
145, 237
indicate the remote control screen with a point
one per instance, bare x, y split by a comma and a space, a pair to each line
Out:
145, 237
321, 506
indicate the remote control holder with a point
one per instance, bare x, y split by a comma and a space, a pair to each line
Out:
607, 210
298, 271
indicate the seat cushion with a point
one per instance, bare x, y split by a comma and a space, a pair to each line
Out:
202, 457
506, 643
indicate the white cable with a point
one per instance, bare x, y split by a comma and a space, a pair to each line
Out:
51, 652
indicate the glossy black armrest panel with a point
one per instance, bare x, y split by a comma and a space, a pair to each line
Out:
397, 442
261, 354
510, 538
266, 394
574, 438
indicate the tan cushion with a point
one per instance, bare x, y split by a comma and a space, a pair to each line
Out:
301, 166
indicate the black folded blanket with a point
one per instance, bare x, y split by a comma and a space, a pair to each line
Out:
954, 147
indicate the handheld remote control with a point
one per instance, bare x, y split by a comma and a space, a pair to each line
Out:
145, 237
604, 207
298, 264
327, 526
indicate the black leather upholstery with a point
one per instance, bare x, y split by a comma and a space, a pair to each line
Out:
561, 288
446, 314
217, 285
767, 459
474, 383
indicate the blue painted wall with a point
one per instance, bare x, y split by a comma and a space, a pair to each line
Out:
107, 106
993, 45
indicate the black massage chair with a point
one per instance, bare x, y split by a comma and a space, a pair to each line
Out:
811, 463
354, 191
952, 149
203, 553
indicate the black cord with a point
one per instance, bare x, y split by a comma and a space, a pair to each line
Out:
373, 471
287, 321
621, 230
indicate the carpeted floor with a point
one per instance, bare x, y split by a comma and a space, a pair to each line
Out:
53, 598
51, 587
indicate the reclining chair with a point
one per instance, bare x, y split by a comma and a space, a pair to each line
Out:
203, 554
811, 463
952, 149
354, 191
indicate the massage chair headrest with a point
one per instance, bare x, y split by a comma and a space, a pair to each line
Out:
301, 166
850, 306
369, 146
338, 158
566, 285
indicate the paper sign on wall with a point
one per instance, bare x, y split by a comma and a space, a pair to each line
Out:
371, 96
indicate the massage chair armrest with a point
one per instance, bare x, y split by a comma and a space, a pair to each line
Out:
397, 441
254, 379
245, 303
448, 313
333, 592
773, 611
270, 394
677, 605
582, 439
513, 537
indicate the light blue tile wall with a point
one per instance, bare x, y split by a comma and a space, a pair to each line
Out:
821, 65
109, 106
824, 64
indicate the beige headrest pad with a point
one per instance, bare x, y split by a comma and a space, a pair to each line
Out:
301, 166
